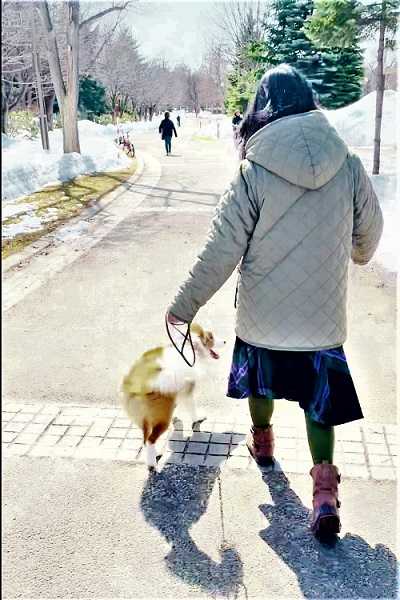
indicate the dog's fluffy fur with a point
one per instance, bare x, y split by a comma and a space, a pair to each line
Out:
158, 381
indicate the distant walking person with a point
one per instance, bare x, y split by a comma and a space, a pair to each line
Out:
237, 119
178, 118
167, 128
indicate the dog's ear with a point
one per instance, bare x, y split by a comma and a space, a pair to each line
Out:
209, 339
197, 330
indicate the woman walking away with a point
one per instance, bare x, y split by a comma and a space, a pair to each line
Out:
167, 128
300, 206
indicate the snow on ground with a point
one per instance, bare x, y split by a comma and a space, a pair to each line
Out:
214, 126
356, 122
27, 168
388, 251
27, 223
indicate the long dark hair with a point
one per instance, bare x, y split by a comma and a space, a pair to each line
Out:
282, 91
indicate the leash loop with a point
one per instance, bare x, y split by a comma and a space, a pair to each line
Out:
186, 336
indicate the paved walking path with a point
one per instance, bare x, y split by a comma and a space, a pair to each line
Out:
368, 451
82, 517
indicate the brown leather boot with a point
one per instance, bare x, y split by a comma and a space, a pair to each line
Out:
260, 443
325, 519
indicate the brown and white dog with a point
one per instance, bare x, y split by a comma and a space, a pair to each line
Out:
158, 381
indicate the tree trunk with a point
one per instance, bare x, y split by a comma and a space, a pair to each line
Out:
44, 131
380, 90
29, 98
4, 115
4, 107
49, 104
70, 125
70, 108
53, 54
67, 93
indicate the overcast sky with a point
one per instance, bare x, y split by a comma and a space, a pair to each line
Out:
177, 31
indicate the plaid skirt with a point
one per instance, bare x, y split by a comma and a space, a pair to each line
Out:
319, 381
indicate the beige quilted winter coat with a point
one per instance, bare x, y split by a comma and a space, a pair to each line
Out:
300, 206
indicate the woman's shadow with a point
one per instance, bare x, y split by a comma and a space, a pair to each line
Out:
172, 501
350, 568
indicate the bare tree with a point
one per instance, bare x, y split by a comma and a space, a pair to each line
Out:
120, 70
67, 48
389, 69
193, 90
16, 59
240, 23
213, 74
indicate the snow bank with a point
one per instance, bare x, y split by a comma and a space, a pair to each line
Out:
356, 122
388, 251
134, 126
214, 126
27, 168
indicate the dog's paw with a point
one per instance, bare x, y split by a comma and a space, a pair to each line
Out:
196, 424
177, 423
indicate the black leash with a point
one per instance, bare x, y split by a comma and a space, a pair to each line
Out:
186, 336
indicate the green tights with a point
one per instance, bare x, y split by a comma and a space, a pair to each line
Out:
321, 438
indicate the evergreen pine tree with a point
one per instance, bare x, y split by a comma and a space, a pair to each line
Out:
287, 43
92, 96
342, 77
242, 82
336, 75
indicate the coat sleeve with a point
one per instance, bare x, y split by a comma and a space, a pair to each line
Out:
231, 229
367, 215
176, 135
161, 127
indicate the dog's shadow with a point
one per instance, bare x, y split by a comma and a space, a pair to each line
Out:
173, 500
349, 568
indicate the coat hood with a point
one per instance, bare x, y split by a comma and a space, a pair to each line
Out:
304, 149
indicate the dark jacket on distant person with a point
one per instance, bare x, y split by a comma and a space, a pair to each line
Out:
167, 128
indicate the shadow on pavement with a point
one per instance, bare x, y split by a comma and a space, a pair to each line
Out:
349, 569
172, 501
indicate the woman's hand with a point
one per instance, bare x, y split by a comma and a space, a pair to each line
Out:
174, 320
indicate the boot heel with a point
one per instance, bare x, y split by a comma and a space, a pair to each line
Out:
327, 523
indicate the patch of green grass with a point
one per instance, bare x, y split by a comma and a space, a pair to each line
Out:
69, 199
